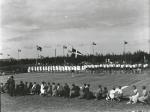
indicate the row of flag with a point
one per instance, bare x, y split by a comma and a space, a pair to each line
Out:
73, 51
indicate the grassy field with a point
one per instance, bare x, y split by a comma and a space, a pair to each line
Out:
57, 104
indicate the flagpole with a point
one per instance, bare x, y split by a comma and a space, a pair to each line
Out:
63, 52
18, 54
55, 52
149, 45
93, 49
124, 48
37, 55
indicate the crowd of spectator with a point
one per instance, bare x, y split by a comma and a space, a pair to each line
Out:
84, 92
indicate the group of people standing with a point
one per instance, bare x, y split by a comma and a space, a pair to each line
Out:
84, 92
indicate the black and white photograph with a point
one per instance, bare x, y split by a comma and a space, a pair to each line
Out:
74, 55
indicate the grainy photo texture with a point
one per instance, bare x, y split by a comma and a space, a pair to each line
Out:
75, 55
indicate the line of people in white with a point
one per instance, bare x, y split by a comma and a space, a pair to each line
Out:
42, 68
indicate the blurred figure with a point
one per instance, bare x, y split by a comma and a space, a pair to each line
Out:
21, 88
30, 88
42, 90
59, 90
38, 87
74, 91
11, 86
33, 90
45, 88
49, 90
98, 93
54, 89
66, 91
105, 92
88, 94
119, 93
2, 88
82, 92
134, 97
144, 96
26, 88
111, 94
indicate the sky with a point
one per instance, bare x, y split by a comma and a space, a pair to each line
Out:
54, 23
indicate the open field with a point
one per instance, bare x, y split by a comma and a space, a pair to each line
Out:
57, 104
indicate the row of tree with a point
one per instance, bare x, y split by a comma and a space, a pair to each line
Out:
136, 57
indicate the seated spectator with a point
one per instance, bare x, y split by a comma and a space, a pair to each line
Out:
111, 94
49, 89
74, 91
21, 88
37, 91
2, 88
134, 97
33, 88
30, 88
119, 93
82, 92
88, 94
144, 96
105, 92
66, 91
17, 90
45, 88
148, 99
26, 88
59, 90
98, 93
54, 89
42, 90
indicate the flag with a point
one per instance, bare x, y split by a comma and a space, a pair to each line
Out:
125, 42
93, 43
19, 50
64, 47
8, 54
39, 48
1, 53
76, 53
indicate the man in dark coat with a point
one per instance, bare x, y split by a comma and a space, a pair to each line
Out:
75, 91
11, 86
21, 88
66, 91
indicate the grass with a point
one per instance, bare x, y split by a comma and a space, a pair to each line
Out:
57, 104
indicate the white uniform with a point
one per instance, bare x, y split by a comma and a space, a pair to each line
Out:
135, 97
112, 94
42, 89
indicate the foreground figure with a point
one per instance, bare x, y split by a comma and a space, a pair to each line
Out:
134, 98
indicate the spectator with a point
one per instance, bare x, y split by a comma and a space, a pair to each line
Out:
2, 88
49, 90
54, 89
66, 91
144, 96
134, 97
98, 93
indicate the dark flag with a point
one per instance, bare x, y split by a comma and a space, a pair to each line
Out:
39, 48
64, 47
93, 43
76, 53
8, 54
1, 53
19, 50
125, 42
